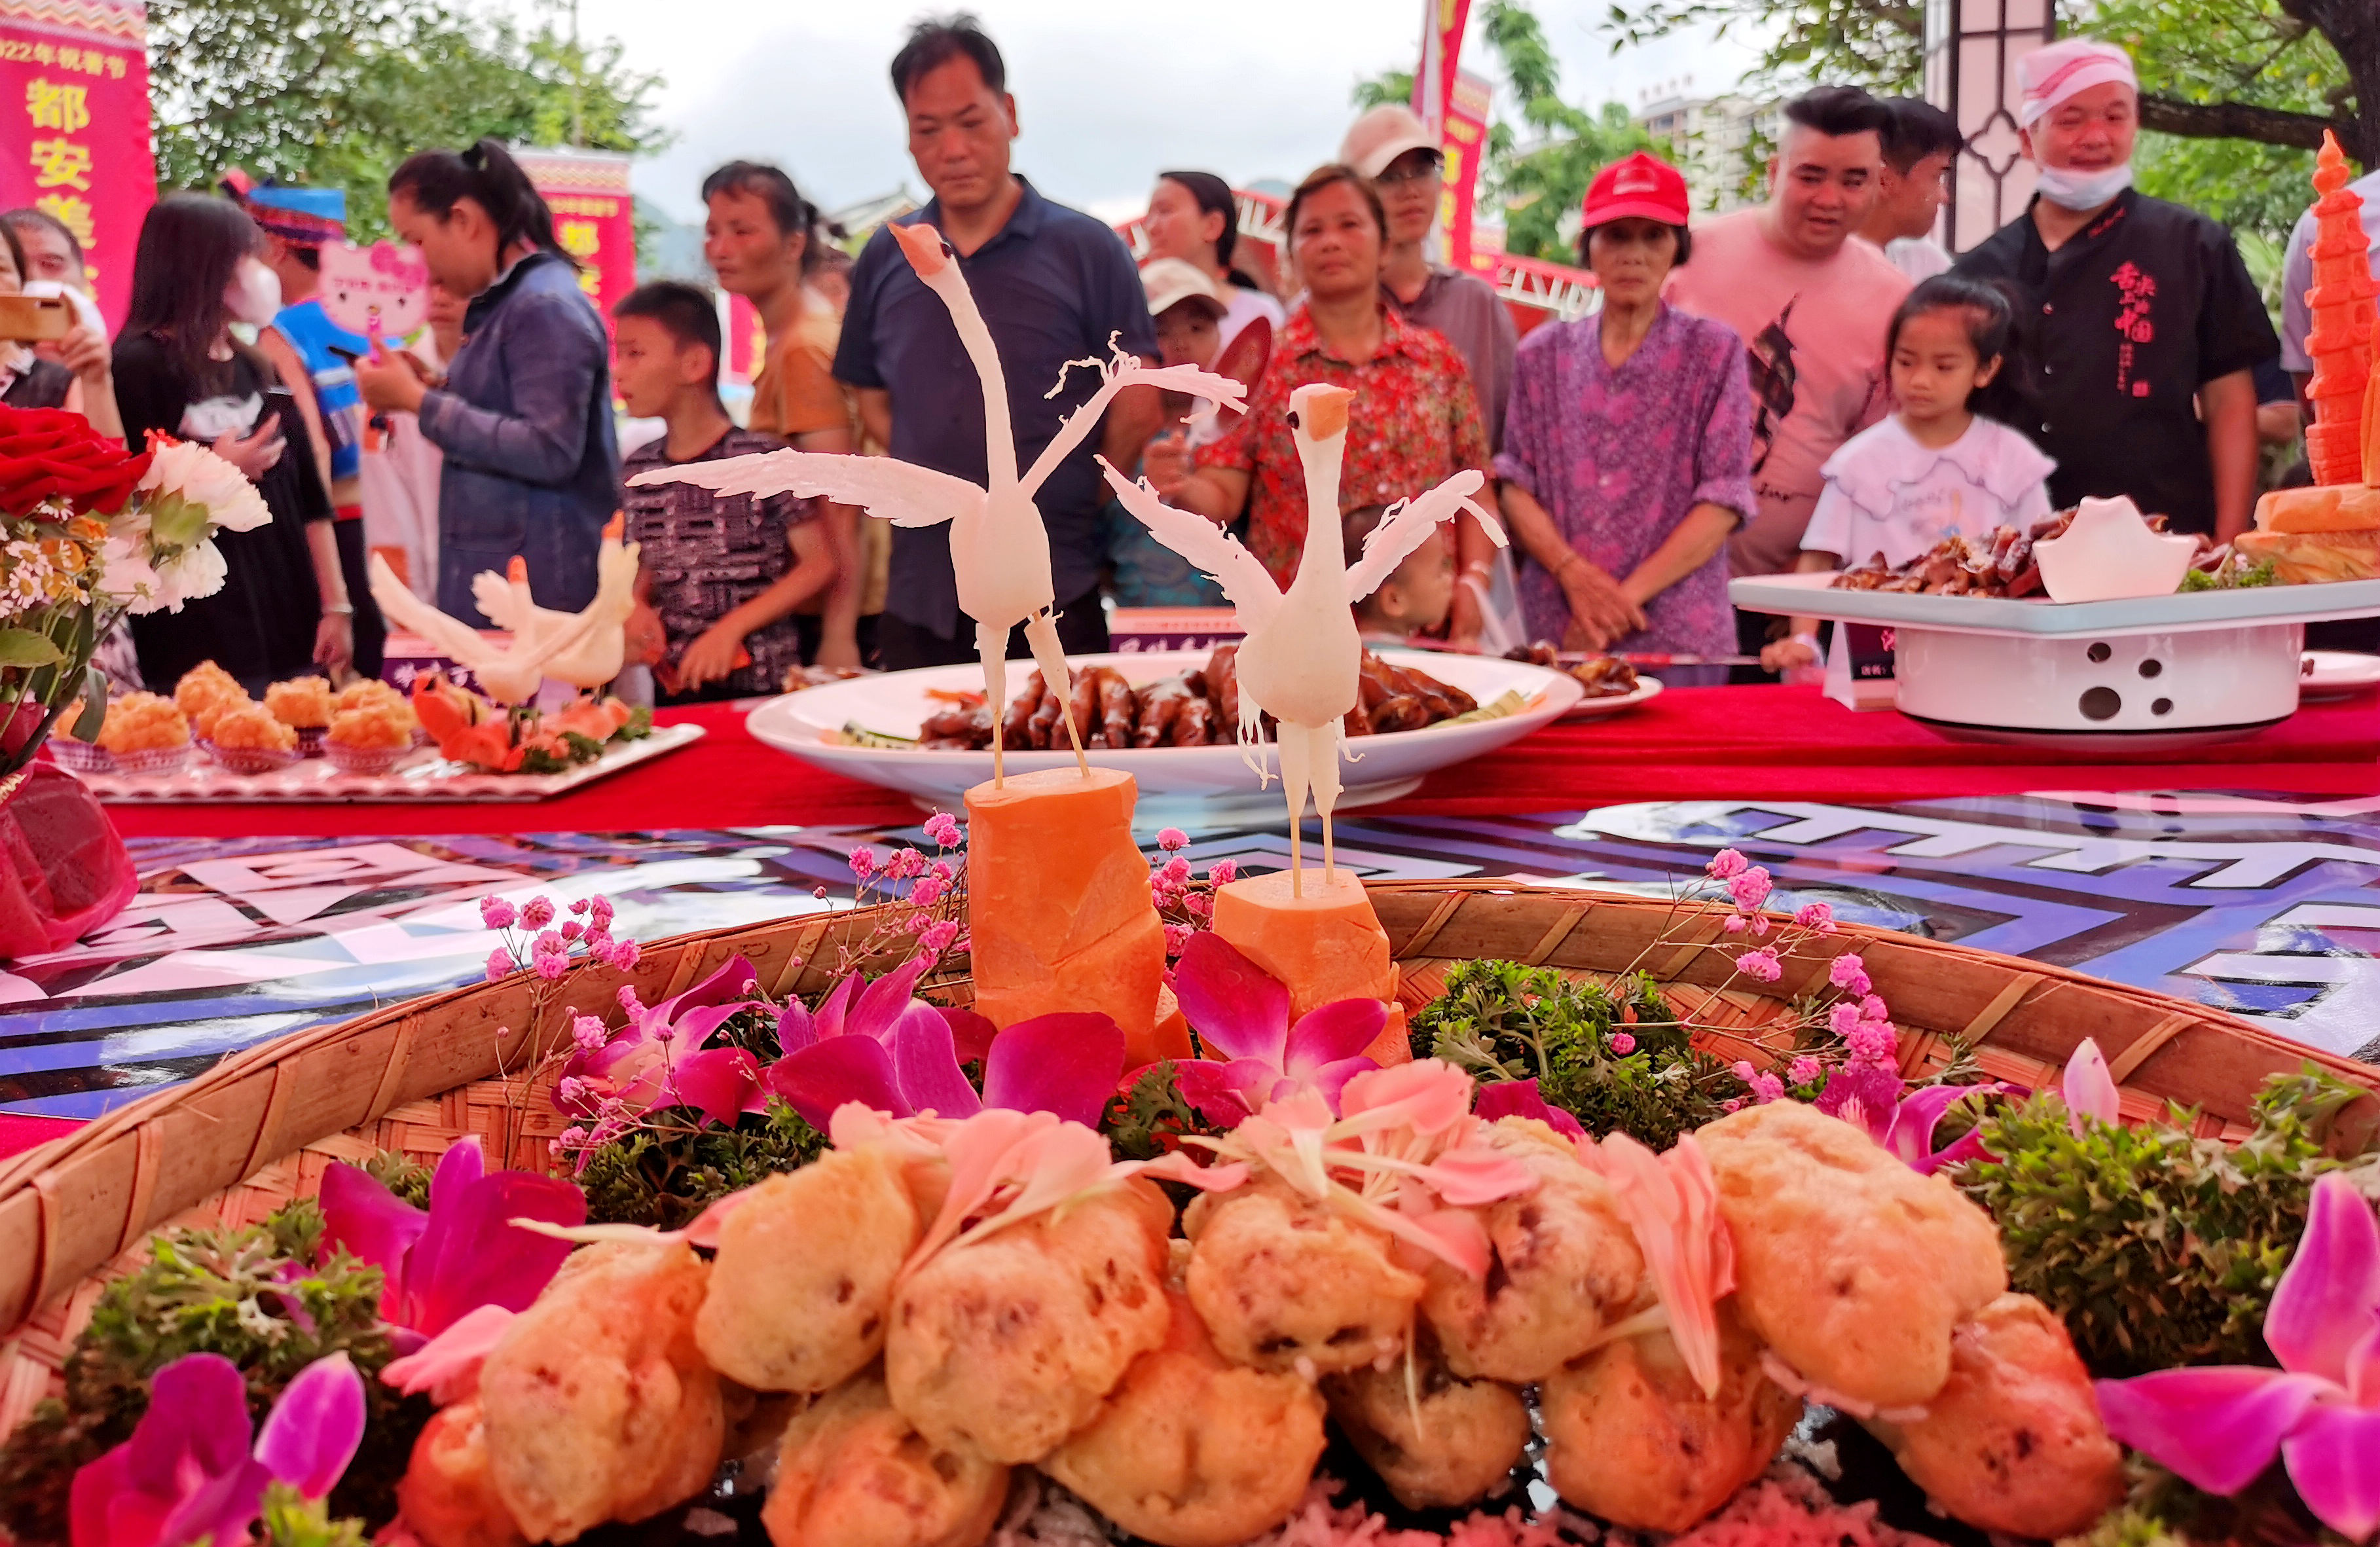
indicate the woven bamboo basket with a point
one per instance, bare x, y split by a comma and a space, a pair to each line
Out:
242, 1139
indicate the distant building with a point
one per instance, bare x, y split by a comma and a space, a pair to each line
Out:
1718, 142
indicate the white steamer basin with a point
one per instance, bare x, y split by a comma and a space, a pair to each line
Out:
2137, 675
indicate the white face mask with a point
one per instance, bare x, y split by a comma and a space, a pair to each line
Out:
2070, 189
254, 294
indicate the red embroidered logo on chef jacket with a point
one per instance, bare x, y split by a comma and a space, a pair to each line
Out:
2134, 292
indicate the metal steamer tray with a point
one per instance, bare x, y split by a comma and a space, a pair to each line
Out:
2140, 675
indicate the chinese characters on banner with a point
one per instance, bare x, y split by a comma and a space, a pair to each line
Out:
593, 217
1464, 141
74, 94
1441, 49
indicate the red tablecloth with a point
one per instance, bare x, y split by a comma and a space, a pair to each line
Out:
1696, 743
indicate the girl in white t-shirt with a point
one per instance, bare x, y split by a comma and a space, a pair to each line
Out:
1943, 464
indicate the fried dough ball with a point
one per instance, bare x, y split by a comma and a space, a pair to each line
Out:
1470, 1436
853, 1472
1850, 1265
1003, 1347
247, 727
1192, 1451
303, 702
207, 683
2013, 1442
1631, 1437
366, 692
143, 722
1283, 1281
803, 1282
598, 1406
374, 726
447, 1497
1564, 1262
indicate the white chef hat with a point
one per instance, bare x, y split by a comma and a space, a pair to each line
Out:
2051, 74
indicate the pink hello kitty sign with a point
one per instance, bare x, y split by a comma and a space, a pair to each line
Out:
384, 288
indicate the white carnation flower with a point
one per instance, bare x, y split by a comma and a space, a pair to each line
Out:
127, 579
193, 572
193, 473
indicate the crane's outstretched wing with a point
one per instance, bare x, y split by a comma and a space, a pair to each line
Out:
1247, 584
1407, 525
455, 638
901, 493
494, 596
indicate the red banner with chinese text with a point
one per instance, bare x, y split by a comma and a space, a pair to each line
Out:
74, 91
1441, 52
594, 217
1464, 141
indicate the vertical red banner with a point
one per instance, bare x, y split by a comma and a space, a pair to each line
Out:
747, 341
594, 217
1465, 142
1441, 53
74, 94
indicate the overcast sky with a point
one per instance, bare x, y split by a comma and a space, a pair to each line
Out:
1108, 91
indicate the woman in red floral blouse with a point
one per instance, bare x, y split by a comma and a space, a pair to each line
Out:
1413, 422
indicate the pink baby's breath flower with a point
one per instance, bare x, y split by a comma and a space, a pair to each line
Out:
863, 862
1732, 1103
551, 967
938, 935
1873, 1042
925, 893
536, 913
1762, 965
500, 965
597, 943
1766, 1088
571, 1137
1759, 925
1726, 864
1223, 873
571, 929
1177, 870
588, 1031
550, 943
1176, 936
1848, 973
1843, 1020
1171, 838
1749, 888
1733, 924
941, 870
1815, 915
599, 913
1874, 1009
818, 892
943, 829
1622, 1043
1743, 1071
1197, 904
579, 906
497, 913
627, 994
572, 1089
905, 863
625, 954
1805, 1071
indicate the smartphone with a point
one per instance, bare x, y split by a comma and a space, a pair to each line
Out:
348, 355
35, 318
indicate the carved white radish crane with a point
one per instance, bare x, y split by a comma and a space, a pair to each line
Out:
1000, 550
1302, 660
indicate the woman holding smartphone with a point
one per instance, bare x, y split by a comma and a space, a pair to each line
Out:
283, 609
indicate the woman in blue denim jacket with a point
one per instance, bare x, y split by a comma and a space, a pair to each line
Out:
525, 414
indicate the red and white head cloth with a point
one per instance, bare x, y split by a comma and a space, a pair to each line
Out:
2050, 76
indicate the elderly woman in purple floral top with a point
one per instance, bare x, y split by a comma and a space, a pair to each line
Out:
1627, 455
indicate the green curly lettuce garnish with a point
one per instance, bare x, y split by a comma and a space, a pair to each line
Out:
668, 1171
293, 1520
1503, 1020
2159, 1247
1148, 1120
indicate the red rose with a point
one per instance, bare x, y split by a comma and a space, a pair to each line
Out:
48, 453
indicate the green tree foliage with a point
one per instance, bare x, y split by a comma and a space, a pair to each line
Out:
337, 92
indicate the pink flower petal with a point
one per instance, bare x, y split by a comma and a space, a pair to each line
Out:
2088, 1089
882, 1003
1330, 1081
1064, 1063
372, 1225
1332, 1032
186, 1472
1519, 1098
1671, 1203
927, 1064
796, 1028
1473, 1176
836, 1007
823, 1076
313, 1430
2333, 1458
720, 1082
971, 1034
1225, 1094
1428, 1095
2328, 1299
448, 1365
473, 1256
1911, 1135
1239, 1009
2213, 1428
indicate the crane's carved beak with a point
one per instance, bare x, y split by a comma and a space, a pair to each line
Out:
615, 526
923, 246
1322, 411
516, 571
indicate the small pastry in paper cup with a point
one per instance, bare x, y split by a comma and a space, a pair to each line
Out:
143, 733
369, 739
250, 741
82, 757
304, 704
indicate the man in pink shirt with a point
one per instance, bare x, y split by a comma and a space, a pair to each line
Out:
1810, 306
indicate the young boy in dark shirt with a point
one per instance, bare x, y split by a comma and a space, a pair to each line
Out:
720, 574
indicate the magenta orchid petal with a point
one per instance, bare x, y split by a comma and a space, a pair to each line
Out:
971, 1034
796, 1028
1331, 1078
698, 1026
882, 1003
2334, 1458
1911, 1134
371, 1224
463, 1163
313, 1430
736, 980
720, 1082
2328, 1299
185, 1474
1520, 1098
823, 1076
836, 1006
1329, 1033
2088, 1089
1067, 1063
2217, 1428
1225, 1094
1969, 1147
448, 1366
473, 1256
1238, 1009
925, 1062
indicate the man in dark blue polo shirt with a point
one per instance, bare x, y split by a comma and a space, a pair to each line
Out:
1053, 286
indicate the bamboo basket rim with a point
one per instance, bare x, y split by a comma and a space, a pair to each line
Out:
80, 1207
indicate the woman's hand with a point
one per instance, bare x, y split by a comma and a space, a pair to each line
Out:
1167, 464
1600, 612
644, 641
392, 384
86, 353
255, 455
334, 645
1790, 655
839, 654
716, 654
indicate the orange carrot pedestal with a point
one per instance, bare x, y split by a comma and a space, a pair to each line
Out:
1326, 945
1059, 913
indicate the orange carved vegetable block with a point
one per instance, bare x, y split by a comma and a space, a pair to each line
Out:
2340, 341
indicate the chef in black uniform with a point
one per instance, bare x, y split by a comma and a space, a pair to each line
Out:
2145, 329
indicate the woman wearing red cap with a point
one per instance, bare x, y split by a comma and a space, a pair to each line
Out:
1627, 455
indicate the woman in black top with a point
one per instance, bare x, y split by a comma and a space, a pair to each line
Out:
179, 372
